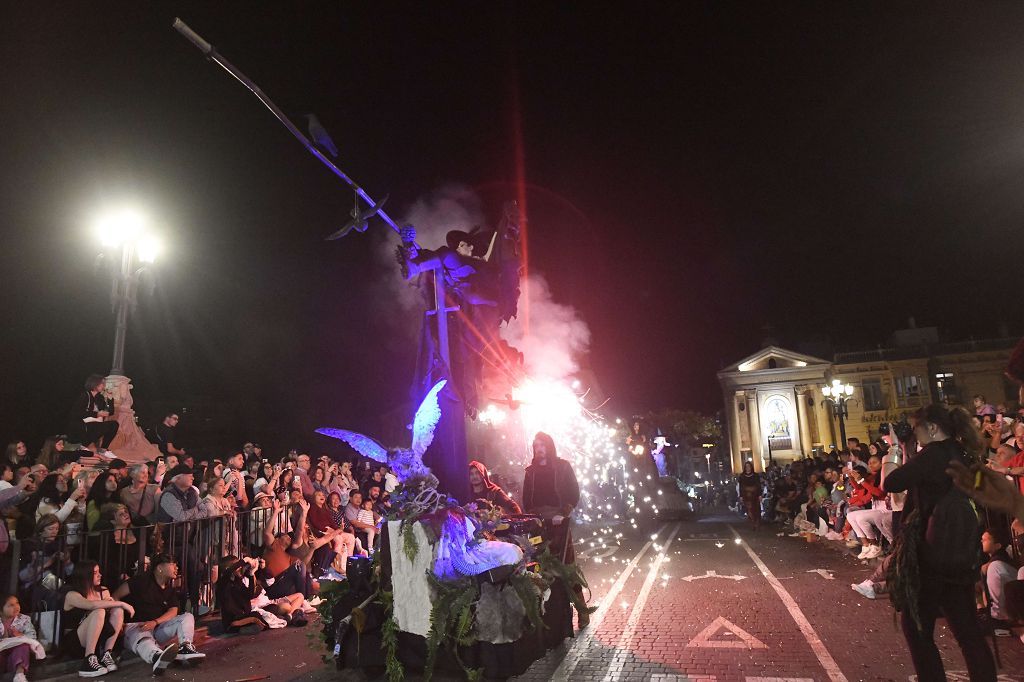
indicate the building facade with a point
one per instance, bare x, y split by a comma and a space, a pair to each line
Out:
775, 410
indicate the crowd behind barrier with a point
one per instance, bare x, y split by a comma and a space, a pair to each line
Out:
242, 536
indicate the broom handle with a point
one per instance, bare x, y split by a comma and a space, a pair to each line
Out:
212, 54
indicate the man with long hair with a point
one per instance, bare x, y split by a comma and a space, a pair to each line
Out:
551, 491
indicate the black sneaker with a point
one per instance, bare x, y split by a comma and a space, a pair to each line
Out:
164, 659
108, 662
187, 652
91, 667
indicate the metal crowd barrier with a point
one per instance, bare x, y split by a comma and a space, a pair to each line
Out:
196, 545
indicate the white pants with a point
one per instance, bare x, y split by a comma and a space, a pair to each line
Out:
999, 573
864, 521
146, 644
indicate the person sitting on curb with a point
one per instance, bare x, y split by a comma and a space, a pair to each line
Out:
14, 623
244, 606
156, 618
96, 618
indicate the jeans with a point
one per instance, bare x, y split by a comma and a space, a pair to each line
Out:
864, 522
295, 579
146, 644
956, 603
999, 573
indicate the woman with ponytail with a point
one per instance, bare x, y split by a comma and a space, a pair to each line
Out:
937, 555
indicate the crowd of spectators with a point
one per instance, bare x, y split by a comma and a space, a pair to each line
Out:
105, 556
863, 496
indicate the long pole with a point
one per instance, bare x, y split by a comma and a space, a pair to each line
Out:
122, 300
840, 406
212, 54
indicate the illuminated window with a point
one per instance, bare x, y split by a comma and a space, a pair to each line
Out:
874, 399
945, 386
908, 387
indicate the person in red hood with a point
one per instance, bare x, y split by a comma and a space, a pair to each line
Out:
484, 489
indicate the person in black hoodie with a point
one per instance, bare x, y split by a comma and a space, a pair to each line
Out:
927, 581
551, 491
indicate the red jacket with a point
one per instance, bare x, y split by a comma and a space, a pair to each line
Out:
865, 491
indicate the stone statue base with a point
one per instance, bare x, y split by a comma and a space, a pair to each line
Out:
130, 443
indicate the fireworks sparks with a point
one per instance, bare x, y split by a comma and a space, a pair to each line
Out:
612, 490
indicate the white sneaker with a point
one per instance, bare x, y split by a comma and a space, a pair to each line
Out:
866, 588
874, 551
316, 601
307, 607
19, 677
864, 552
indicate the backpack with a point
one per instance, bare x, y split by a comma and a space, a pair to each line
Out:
952, 538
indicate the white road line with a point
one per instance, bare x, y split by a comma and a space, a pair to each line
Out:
580, 647
626, 639
817, 646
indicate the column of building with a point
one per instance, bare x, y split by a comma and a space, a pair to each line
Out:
755, 430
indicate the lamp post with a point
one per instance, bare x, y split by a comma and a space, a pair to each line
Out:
124, 231
123, 234
838, 394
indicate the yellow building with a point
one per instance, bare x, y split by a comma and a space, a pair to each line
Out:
774, 407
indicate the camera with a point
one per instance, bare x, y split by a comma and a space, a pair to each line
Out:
901, 429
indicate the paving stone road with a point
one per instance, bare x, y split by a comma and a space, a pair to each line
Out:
727, 604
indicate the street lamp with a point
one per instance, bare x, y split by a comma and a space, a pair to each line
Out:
125, 230
838, 394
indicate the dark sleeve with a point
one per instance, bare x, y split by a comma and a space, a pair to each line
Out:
528, 490
572, 490
506, 503
910, 473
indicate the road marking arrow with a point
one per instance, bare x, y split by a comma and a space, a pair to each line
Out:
746, 640
712, 574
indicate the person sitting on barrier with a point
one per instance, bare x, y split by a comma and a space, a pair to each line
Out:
96, 617
321, 522
240, 594
14, 623
156, 618
352, 514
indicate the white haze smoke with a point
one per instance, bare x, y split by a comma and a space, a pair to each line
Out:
450, 207
557, 335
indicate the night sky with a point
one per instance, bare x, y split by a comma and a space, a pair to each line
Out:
695, 173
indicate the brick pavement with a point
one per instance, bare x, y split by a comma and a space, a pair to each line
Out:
856, 635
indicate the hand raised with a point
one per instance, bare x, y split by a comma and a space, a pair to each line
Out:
995, 492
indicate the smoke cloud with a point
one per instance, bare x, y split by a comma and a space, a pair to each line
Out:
450, 207
557, 335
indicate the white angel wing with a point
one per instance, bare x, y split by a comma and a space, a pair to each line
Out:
364, 445
427, 417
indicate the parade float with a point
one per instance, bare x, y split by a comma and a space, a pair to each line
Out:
457, 584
